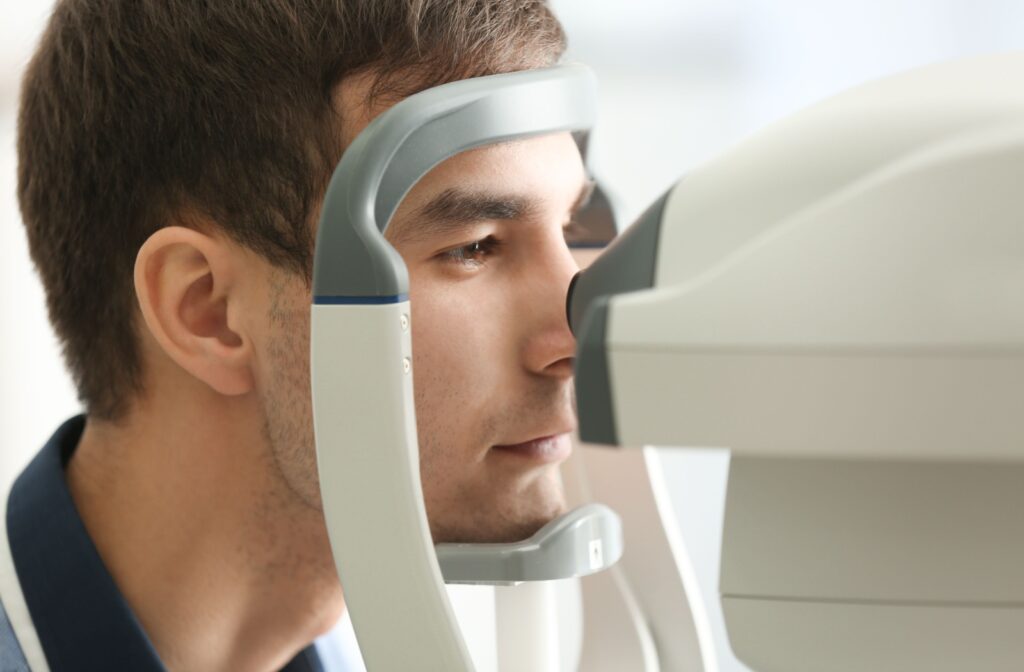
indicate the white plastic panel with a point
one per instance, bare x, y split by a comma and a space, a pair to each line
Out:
474, 608
528, 628
795, 636
883, 531
923, 254
951, 407
368, 457
816, 153
884, 322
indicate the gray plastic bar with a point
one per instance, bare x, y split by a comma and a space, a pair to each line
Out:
352, 259
584, 541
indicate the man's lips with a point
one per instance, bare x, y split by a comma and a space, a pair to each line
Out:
554, 448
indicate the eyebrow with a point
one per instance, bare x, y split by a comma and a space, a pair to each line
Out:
455, 209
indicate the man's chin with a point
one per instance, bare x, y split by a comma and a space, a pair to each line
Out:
506, 522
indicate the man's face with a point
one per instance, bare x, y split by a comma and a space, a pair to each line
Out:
482, 235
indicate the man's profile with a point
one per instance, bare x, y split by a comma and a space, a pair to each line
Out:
173, 157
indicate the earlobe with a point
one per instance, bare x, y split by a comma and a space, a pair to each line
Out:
186, 284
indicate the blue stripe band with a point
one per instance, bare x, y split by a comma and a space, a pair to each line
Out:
358, 300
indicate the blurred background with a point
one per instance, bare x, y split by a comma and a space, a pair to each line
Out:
680, 81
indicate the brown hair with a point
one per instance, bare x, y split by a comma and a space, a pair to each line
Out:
134, 112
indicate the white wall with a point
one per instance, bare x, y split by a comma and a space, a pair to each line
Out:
680, 81
35, 394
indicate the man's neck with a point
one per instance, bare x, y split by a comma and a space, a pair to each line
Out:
224, 567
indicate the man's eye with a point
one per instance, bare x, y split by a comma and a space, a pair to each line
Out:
574, 231
474, 254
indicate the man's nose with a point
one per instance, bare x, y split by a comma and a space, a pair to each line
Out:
551, 346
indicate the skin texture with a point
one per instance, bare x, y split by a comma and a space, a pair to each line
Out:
204, 503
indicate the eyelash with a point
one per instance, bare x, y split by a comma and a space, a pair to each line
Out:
486, 247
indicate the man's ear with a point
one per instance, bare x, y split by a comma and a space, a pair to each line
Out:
187, 284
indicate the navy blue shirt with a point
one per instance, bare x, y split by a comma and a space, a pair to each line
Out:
82, 620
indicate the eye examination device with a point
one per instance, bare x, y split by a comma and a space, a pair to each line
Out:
361, 363
835, 301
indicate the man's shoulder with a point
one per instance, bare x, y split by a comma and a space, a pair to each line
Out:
11, 657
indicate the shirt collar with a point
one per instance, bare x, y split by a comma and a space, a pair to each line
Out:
83, 621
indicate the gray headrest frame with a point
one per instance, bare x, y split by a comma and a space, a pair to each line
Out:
352, 259
584, 541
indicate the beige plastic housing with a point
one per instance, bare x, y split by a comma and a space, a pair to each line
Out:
852, 274
839, 303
